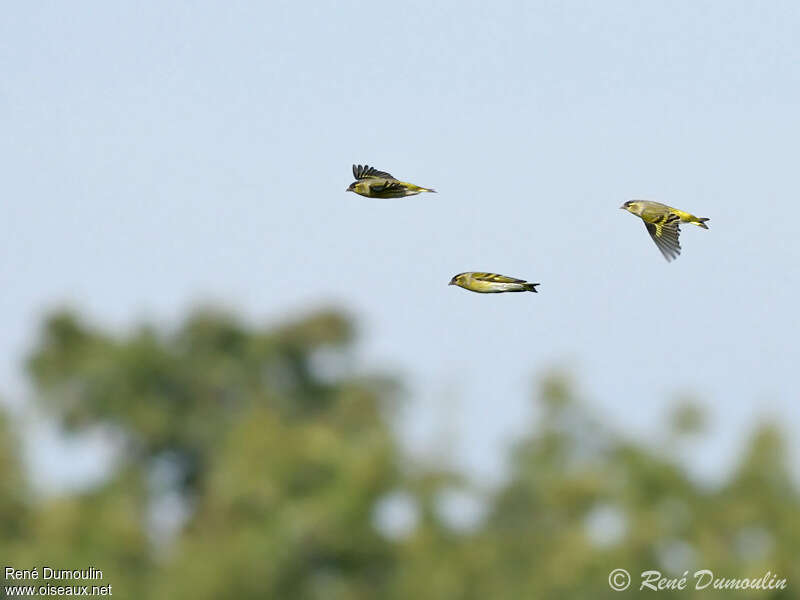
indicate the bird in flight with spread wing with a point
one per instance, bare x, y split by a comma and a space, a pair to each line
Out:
662, 223
379, 184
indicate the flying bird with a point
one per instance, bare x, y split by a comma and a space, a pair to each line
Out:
662, 223
379, 184
491, 283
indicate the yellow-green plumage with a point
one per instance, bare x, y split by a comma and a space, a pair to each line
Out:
491, 283
379, 184
663, 224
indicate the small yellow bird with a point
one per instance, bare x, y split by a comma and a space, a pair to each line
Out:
379, 184
662, 223
491, 283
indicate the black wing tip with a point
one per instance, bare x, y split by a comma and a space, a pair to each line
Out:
359, 170
669, 256
670, 252
362, 171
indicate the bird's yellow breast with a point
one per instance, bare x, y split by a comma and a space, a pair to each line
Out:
478, 285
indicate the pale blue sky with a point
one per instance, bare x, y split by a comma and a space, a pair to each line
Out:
157, 155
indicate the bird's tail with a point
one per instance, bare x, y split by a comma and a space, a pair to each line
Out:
531, 287
701, 222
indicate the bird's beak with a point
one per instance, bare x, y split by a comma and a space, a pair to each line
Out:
451, 283
622, 207
349, 190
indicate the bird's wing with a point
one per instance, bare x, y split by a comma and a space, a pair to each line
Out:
367, 172
495, 278
665, 234
384, 186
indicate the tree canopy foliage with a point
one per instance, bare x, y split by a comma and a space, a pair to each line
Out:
254, 462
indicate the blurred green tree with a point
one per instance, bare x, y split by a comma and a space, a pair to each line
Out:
253, 461
277, 451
